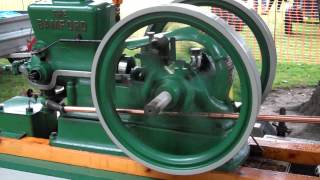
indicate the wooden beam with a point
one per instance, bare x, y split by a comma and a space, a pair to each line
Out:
41, 150
289, 151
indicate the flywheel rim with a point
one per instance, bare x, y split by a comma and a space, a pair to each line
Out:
110, 110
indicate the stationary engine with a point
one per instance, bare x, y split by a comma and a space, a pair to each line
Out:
159, 86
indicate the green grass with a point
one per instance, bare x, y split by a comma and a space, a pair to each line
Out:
11, 85
296, 75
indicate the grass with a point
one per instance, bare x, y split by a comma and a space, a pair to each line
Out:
290, 75
11, 85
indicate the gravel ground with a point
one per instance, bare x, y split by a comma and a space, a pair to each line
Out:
291, 99
287, 98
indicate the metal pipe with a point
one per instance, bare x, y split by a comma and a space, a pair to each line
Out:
232, 116
69, 109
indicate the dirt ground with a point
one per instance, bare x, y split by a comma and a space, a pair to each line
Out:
291, 99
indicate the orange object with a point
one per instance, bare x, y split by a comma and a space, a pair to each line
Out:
289, 151
117, 2
41, 150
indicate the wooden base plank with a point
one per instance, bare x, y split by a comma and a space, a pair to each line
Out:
41, 150
289, 151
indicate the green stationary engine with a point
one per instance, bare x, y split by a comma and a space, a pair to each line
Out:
152, 86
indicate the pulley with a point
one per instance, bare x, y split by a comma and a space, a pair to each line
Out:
160, 82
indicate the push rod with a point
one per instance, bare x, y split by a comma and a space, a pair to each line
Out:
232, 116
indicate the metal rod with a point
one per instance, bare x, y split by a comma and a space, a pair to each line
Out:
233, 116
69, 109
158, 104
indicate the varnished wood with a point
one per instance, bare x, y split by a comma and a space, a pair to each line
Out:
289, 151
41, 150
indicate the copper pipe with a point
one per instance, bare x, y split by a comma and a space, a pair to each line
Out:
291, 119
69, 109
233, 116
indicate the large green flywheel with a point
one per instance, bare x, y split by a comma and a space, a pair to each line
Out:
258, 28
154, 105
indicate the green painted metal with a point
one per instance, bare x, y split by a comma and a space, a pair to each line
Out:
42, 67
89, 20
71, 19
16, 122
74, 19
83, 92
60, 170
211, 48
186, 34
262, 42
71, 93
82, 132
163, 141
